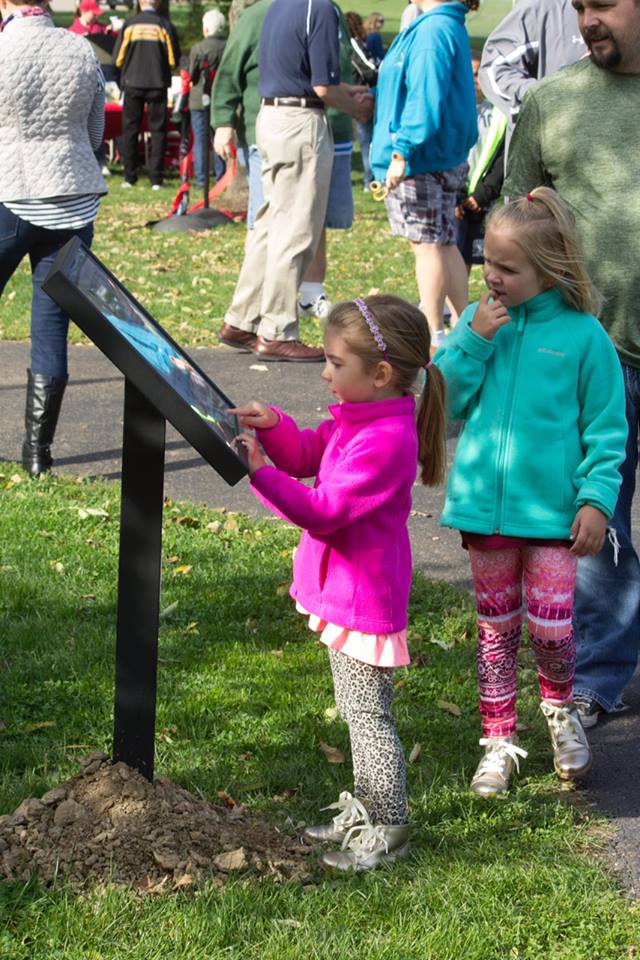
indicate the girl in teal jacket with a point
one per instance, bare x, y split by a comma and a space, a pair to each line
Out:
537, 382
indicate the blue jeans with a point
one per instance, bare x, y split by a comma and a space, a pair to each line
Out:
607, 601
202, 140
49, 323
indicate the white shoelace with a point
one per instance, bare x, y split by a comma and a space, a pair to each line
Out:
351, 809
612, 537
495, 758
563, 725
363, 839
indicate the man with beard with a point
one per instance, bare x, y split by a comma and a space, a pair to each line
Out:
578, 132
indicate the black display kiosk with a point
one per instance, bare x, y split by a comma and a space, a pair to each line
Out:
161, 383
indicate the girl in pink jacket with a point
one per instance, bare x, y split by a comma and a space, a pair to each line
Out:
352, 569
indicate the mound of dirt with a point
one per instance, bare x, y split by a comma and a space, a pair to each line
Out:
109, 824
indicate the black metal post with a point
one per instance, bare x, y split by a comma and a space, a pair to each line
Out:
139, 582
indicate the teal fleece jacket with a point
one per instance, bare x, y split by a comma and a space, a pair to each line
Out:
425, 99
544, 421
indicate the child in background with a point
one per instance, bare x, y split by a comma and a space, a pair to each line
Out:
373, 25
535, 476
352, 569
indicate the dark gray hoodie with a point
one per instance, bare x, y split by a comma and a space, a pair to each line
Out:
535, 39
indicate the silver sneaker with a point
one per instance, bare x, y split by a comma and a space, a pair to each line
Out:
492, 776
352, 814
571, 751
366, 847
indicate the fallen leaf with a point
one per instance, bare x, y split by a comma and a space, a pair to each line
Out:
332, 754
261, 367
186, 880
231, 524
57, 566
245, 756
186, 521
287, 922
226, 798
415, 752
331, 713
192, 627
282, 589
462, 637
34, 727
15, 478
522, 727
95, 512
277, 653
173, 558
182, 570
214, 526
43, 533
451, 708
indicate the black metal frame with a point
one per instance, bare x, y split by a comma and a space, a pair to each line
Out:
149, 400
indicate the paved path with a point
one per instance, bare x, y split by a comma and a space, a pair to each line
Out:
88, 442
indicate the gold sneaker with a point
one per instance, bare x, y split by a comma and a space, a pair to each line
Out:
571, 752
366, 847
352, 814
492, 776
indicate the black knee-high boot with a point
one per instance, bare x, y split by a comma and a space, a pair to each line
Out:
44, 399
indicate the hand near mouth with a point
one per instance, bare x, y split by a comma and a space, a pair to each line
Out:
490, 315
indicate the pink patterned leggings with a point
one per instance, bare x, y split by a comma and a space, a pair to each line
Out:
549, 579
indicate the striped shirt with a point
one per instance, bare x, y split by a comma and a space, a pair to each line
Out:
67, 213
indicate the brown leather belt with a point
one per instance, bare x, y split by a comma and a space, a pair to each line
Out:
312, 103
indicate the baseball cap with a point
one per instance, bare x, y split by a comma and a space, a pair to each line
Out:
87, 6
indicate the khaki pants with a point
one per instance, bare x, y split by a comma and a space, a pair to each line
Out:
297, 156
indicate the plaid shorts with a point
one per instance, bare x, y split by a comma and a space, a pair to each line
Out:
421, 207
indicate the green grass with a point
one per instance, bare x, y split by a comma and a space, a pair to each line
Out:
186, 280
516, 879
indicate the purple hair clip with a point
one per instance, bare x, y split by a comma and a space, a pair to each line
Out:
373, 326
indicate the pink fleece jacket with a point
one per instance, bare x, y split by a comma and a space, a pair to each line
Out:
353, 565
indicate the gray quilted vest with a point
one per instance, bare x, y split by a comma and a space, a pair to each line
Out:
48, 81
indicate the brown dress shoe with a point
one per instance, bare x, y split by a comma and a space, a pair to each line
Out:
240, 339
293, 350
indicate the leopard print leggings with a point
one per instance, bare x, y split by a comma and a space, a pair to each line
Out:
363, 697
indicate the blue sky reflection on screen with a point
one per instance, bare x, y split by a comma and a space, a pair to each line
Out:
149, 342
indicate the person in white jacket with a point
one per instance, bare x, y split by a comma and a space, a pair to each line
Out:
535, 39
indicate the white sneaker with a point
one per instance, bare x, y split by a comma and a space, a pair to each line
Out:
318, 308
126, 185
492, 776
156, 186
105, 171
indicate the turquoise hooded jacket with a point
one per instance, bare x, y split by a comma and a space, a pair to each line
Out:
425, 100
544, 421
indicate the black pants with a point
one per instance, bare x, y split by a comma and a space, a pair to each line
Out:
135, 99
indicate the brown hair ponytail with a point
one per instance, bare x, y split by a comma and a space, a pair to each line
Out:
432, 423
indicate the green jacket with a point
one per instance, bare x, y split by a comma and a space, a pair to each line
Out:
545, 427
235, 100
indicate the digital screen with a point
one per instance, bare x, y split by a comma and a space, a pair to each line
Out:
149, 341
